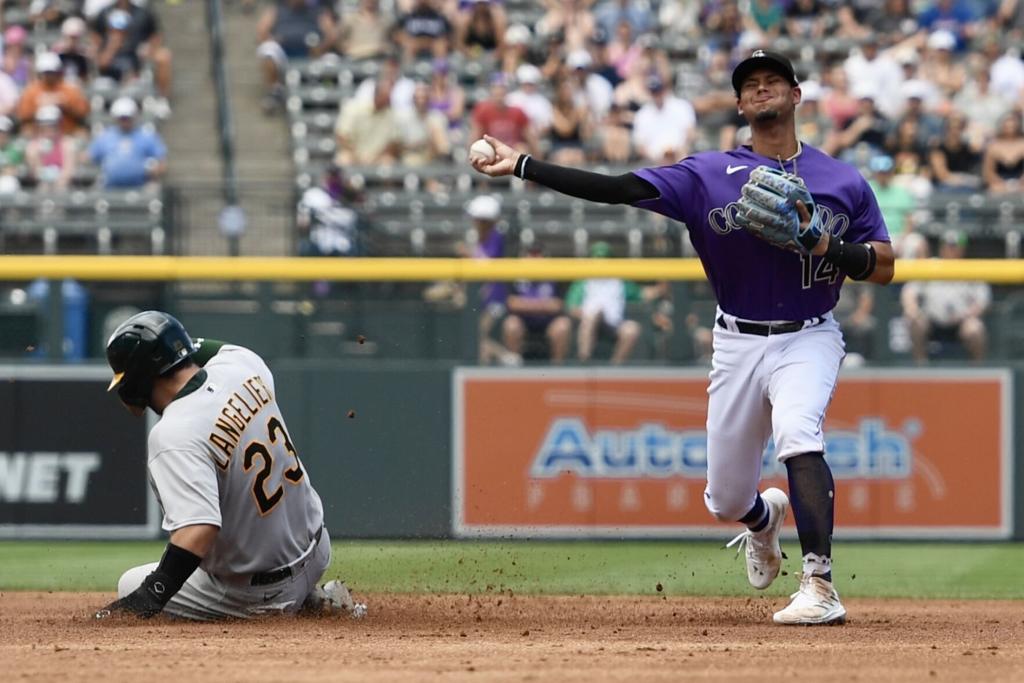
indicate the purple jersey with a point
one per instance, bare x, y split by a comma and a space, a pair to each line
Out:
492, 246
751, 278
535, 290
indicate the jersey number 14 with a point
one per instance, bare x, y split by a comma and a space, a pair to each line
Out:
825, 272
265, 501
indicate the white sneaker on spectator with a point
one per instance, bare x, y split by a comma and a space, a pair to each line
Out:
160, 108
510, 359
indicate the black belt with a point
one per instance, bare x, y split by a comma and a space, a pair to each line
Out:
266, 578
765, 329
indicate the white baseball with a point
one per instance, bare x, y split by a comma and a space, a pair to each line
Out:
481, 149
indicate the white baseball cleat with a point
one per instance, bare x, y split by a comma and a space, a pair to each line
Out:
815, 603
764, 553
334, 596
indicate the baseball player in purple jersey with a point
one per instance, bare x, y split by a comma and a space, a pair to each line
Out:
777, 348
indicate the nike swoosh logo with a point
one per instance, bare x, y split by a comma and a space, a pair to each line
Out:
730, 169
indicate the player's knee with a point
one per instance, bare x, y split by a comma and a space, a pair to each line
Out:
796, 434
726, 506
133, 578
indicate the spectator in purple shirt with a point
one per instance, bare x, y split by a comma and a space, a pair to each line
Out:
535, 317
15, 60
485, 210
423, 32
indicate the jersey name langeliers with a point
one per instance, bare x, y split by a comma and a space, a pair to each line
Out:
751, 278
223, 455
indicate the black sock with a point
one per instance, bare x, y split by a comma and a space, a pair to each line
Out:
812, 497
757, 517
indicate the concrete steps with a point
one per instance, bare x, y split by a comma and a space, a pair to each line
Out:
191, 132
262, 145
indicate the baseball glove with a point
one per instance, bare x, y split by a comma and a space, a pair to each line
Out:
767, 209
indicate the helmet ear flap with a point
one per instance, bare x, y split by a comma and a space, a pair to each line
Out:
136, 389
130, 361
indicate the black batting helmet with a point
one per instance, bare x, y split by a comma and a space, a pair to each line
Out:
142, 348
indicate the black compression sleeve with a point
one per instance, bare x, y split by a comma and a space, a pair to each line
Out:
627, 188
175, 567
855, 259
158, 588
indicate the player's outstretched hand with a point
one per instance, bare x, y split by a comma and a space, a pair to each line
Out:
504, 159
138, 603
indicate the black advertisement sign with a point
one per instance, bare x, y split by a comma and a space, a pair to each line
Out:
72, 459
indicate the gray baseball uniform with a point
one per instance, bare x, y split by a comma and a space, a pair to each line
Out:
221, 455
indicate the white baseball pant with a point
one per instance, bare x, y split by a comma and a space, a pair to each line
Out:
777, 385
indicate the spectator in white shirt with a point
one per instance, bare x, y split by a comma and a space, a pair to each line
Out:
596, 91
1007, 75
982, 106
946, 311
402, 87
664, 128
529, 98
870, 65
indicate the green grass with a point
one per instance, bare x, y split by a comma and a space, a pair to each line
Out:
923, 570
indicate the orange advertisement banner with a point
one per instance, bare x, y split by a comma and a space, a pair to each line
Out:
622, 453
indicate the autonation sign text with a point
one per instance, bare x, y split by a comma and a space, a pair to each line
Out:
653, 450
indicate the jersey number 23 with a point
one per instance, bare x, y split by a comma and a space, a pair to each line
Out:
279, 445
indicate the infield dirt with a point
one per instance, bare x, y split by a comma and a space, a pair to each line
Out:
502, 637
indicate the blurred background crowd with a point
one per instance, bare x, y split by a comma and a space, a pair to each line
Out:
82, 84
935, 87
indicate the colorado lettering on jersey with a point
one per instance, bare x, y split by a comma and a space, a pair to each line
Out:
722, 220
237, 413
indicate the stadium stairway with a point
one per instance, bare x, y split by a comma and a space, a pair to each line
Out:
262, 144
263, 156
191, 132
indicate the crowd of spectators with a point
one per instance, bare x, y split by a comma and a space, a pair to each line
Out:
54, 58
936, 86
